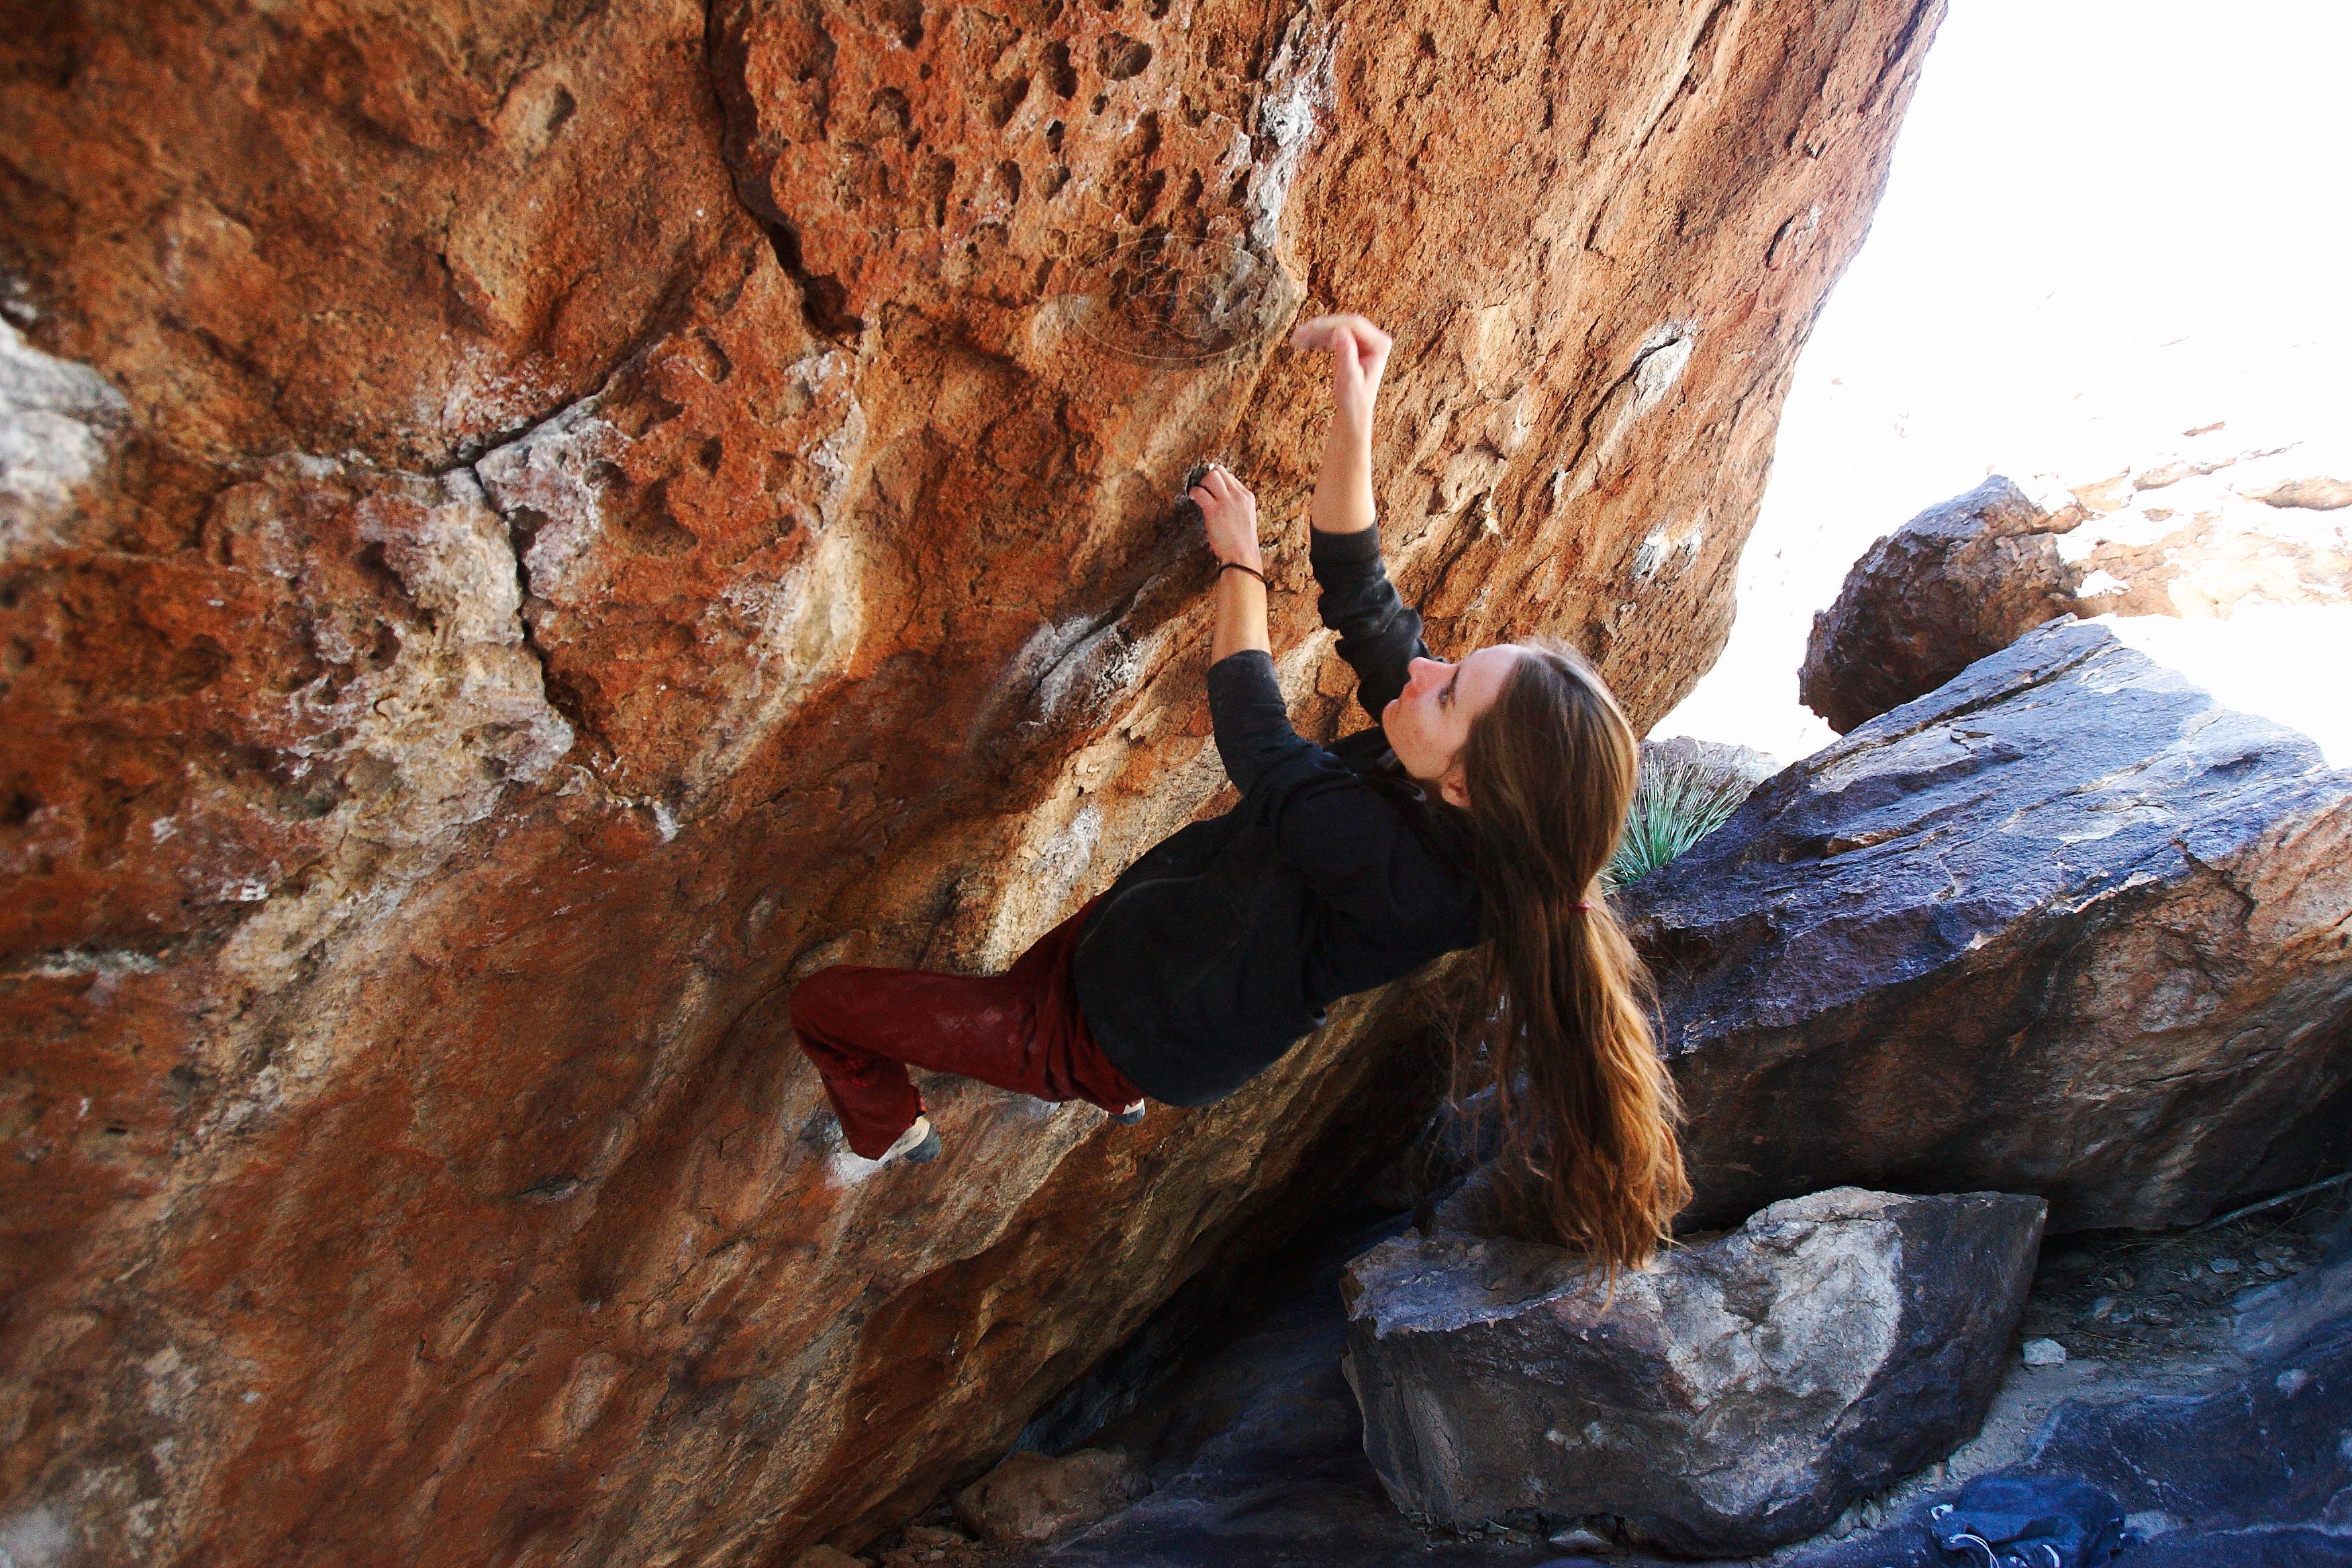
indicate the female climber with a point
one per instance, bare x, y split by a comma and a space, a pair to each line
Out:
1479, 812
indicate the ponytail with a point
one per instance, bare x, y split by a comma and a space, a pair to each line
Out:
1561, 1020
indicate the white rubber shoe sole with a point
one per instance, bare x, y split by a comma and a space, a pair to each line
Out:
918, 1146
1130, 1115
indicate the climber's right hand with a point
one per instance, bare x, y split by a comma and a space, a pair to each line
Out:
1359, 354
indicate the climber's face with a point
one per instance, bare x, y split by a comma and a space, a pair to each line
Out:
1427, 724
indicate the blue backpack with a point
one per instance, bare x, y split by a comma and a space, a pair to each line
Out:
2003, 1522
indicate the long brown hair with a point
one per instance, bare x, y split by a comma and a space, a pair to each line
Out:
1561, 1025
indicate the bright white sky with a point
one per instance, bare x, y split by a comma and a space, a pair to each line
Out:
2108, 221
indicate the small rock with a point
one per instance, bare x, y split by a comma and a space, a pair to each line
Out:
2102, 1307
1958, 582
2224, 1266
932, 1535
827, 1557
1034, 1498
2045, 1352
1579, 1538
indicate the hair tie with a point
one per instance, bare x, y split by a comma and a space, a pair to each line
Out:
1582, 908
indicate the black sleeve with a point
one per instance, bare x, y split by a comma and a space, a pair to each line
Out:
1338, 832
1380, 635
1253, 730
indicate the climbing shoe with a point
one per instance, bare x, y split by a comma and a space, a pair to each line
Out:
1130, 1115
918, 1146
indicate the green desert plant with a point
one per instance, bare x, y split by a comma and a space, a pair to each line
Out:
1678, 801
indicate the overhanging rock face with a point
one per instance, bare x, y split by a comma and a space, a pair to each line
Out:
2065, 926
526, 528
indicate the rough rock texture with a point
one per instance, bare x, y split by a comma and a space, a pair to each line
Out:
1956, 582
2066, 926
2274, 1319
1254, 1443
2200, 533
1737, 1396
1257, 1448
528, 526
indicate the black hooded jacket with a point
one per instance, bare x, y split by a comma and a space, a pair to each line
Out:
1220, 948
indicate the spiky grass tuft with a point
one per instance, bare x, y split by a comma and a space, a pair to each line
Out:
1678, 801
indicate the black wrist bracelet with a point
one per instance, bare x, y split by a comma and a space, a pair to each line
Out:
1225, 566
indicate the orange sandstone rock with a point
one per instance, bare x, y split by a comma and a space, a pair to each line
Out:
525, 528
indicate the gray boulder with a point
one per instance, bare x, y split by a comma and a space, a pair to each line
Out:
2065, 926
1735, 1397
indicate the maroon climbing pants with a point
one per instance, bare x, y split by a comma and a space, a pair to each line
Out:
1020, 1030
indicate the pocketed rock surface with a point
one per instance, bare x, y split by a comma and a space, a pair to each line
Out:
2066, 926
2211, 531
1735, 1397
526, 528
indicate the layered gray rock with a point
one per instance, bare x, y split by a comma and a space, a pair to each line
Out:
1718, 763
2066, 926
1735, 1397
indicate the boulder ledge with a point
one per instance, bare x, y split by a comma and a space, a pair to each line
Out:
1737, 1396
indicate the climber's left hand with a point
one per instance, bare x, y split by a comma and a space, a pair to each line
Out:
1231, 513
1359, 354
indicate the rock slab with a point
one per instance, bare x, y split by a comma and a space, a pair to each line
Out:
1735, 1397
2066, 926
